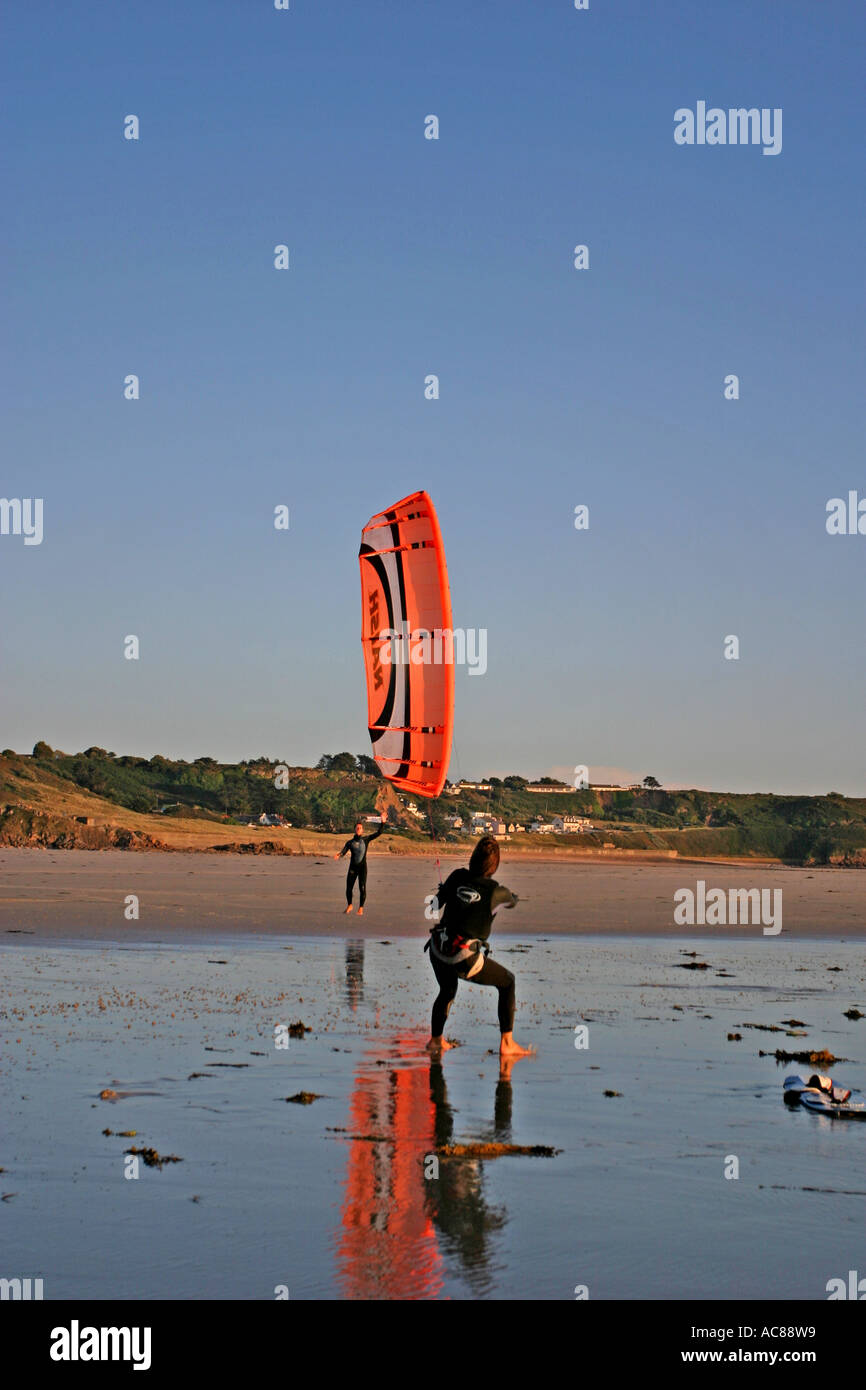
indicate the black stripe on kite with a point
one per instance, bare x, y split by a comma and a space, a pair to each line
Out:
387, 709
403, 770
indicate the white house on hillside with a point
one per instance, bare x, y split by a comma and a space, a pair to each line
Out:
571, 825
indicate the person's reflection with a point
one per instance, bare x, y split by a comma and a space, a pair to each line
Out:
354, 974
455, 1199
404, 1218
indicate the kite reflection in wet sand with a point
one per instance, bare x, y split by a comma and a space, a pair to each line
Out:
403, 1224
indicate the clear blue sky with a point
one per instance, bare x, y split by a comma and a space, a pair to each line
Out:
453, 257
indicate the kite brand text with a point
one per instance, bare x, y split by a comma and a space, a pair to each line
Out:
716, 908
440, 647
374, 633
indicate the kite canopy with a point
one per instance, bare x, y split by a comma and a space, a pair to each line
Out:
406, 638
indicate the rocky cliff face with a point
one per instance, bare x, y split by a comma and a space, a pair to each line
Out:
24, 827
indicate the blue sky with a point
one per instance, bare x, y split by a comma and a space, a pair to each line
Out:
454, 257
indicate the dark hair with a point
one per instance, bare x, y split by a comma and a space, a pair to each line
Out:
485, 857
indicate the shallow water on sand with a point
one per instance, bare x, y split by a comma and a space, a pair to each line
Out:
339, 1198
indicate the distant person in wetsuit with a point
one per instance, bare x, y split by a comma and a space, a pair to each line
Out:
458, 944
357, 849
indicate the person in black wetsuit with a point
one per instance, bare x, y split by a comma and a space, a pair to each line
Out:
458, 943
357, 850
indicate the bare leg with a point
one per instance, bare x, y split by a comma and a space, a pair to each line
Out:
492, 973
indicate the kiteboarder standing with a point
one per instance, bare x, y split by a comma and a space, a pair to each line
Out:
458, 944
357, 850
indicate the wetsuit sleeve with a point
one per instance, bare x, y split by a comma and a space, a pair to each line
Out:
375, 835
502, 897
346, 846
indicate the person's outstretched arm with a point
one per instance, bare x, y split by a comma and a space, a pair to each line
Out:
376, 833
502, 897
344, 850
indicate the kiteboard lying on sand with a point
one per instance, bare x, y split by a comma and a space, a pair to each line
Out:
821, 1094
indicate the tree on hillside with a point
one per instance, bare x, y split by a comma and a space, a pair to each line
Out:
515, 783
43, 750
368, 765
343, 762
651, 784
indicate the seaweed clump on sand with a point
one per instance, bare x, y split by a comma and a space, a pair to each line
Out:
810, 1059
494, 1150
152, 1159
853, 1014
297, 1030
303, 1098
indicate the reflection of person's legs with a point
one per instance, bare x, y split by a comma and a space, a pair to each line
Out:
502, 1109
350, 884
491, 973
443, 1115
362, 882
447, 977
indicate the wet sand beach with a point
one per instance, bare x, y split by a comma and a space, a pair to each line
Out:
338, 1198
76, 894
335, 1159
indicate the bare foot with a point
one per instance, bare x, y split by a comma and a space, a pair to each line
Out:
348, 909
506, 1064
509, 1048
360, 911
438, 1045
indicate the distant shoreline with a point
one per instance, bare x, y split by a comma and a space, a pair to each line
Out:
459, 854
63, 802
79, 895
314, 844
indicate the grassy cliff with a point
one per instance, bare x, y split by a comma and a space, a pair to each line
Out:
96, 800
